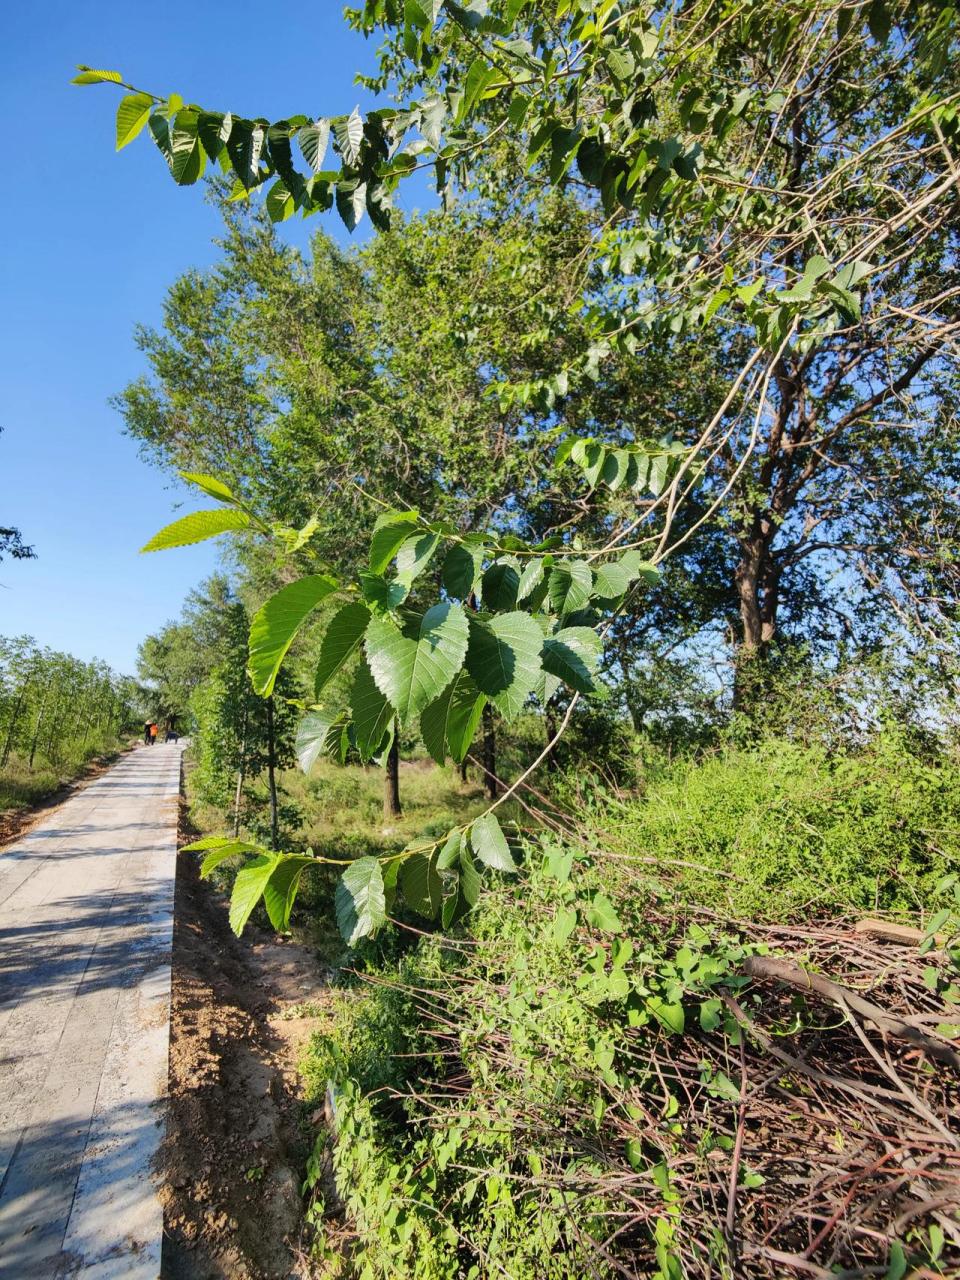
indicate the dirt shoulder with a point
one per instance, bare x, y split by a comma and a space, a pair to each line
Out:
237, 1140
15, 823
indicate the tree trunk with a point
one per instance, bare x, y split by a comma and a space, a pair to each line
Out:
241, 774
14, 717
391, 779
489, 755
272, 777
36, 727
758, 592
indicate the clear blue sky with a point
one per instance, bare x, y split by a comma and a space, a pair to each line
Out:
89, 241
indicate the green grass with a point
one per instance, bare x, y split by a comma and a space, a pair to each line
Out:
22, 787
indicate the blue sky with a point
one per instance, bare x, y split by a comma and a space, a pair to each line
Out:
89, 241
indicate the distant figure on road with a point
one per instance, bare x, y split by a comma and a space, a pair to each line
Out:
153, 732
172, 735
146, 733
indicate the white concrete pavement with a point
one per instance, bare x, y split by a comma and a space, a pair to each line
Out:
86, 930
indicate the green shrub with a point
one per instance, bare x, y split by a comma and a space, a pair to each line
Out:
779, 830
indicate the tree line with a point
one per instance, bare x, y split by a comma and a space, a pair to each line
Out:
56, 709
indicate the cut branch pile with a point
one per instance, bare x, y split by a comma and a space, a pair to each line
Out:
833, 1147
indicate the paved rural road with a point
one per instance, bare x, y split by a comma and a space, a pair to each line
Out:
86, 919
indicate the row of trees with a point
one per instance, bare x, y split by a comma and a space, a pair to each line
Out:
55, 708
194, 674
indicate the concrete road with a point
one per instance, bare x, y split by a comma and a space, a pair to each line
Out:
86, 921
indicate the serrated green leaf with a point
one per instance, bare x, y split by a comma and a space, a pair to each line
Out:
248, 888
228, 849
341, 640
420, 885
412, 670
348, 132
390, 532
490, 844
90, 75
572, 655
615, 468
360, 900
132, 114
469, 876
372, 713
449, 723
187, 159
351, 202
380, 594
210, 485
281, 888
461, 569
611, 581
571, 585
313, 139
530, 579
197, 527
449, 855
319, 733
280, 204
500, 584
504, 659
276, 623
414, 555
639, 568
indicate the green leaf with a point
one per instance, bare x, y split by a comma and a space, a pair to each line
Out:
348, 132
248, 889
461, 569
896, 1262
280, 203
564, 923
670, 1015
196, 527
340, 641
500, 585
449, 855
228, 849
351, 202
638, 568
469, 876
360, 900
572, 655
381, 595
390, 532
589, 457
601, 914
245, 147
414, 670
372, 713
132, 114
531, 578
210, 485
214, 130
414, 555
313, 139
420, 885
490, 844
615, 468
571, 584
281, 888
276, 623
504, 659
612, 581
89, 75
319, 733
450, 722
186, 155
